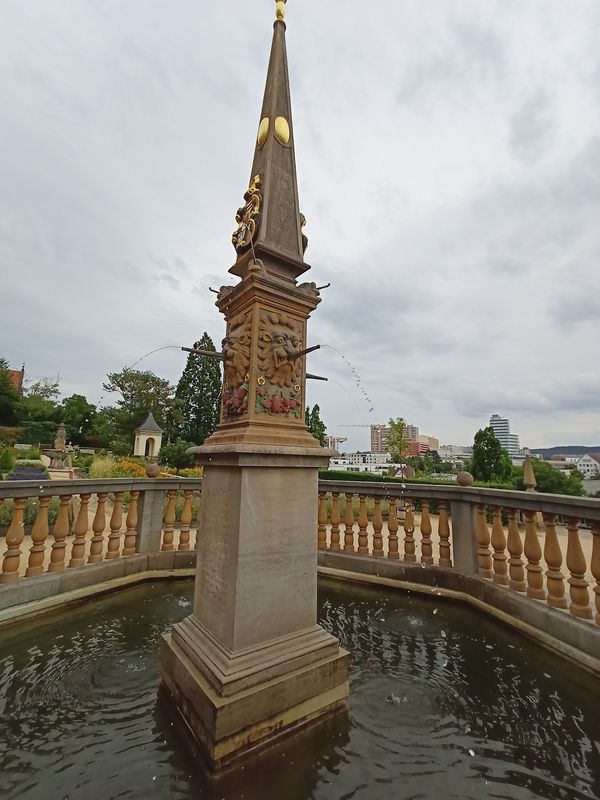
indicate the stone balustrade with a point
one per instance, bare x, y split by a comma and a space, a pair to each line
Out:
545, 547
59, 527
542, 548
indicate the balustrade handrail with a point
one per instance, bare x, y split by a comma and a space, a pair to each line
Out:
14, 489
562, 505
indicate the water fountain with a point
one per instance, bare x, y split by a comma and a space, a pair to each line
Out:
59, 455
251, 664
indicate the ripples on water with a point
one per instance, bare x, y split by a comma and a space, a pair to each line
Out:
444, 704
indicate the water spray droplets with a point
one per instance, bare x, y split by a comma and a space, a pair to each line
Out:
357, 378
158, 349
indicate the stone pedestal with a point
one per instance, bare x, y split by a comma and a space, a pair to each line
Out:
251, 662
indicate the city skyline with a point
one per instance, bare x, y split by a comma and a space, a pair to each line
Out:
456, 218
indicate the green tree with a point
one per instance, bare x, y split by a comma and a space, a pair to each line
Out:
45, 389
397, 441
490, 462
9, 397
315, 424
551, 480
174, 454
78, 418
39, 412
140, 393
104, 430
197, 405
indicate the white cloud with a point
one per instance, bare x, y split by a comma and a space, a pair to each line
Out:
449, 170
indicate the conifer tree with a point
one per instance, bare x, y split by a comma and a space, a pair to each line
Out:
198, 395
315, 424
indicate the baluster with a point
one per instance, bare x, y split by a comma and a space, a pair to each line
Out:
186, 521
322, 519
349, 525
555, 580
393, 544
393, 529
533, 554
60, 531
131, 525
169, 521
14, 540
499, 545
580, 597
444, 534
426, 544
482, 533
596, 565
39, 534
116, 520
377, 528
409, 529
80, 530
363, 522
335, 522
98, 526
515, 548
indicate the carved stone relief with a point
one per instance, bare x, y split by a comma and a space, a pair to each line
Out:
236, 365
279, 392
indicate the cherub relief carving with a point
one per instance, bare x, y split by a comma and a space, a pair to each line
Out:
279, 336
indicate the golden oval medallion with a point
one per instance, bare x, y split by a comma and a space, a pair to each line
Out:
263, 132
282, 130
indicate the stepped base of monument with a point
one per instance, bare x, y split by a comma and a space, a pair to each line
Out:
227, 726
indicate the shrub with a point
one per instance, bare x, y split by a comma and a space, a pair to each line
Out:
102, 467
108, 467
192, 472
129, 469
7, 460
33, 452
340, 475
6, 510
8, 436
36, 432
174, 454
82, 461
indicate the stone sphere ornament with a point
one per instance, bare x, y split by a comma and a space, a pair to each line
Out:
152, 470
464, 479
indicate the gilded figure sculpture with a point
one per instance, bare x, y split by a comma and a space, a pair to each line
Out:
248, 216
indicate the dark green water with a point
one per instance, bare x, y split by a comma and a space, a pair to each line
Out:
444, 704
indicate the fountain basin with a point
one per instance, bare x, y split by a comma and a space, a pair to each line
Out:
444, 703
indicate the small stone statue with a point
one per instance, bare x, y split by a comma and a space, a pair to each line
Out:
60, 443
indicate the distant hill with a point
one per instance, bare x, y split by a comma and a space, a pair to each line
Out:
566, 450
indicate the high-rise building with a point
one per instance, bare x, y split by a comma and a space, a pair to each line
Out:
380, 433
430, 442
509, 441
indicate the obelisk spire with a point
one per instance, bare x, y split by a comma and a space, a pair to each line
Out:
270, 224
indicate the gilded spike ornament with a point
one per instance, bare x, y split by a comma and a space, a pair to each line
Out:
280, 9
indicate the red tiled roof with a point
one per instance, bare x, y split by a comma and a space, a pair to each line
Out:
16, 376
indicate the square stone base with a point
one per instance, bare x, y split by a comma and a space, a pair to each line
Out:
227, 727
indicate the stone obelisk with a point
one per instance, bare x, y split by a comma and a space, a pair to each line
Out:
251, 663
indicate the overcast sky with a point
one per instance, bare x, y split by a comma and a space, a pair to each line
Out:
449, 165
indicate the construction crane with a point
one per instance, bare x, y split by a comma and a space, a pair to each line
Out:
372, 425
